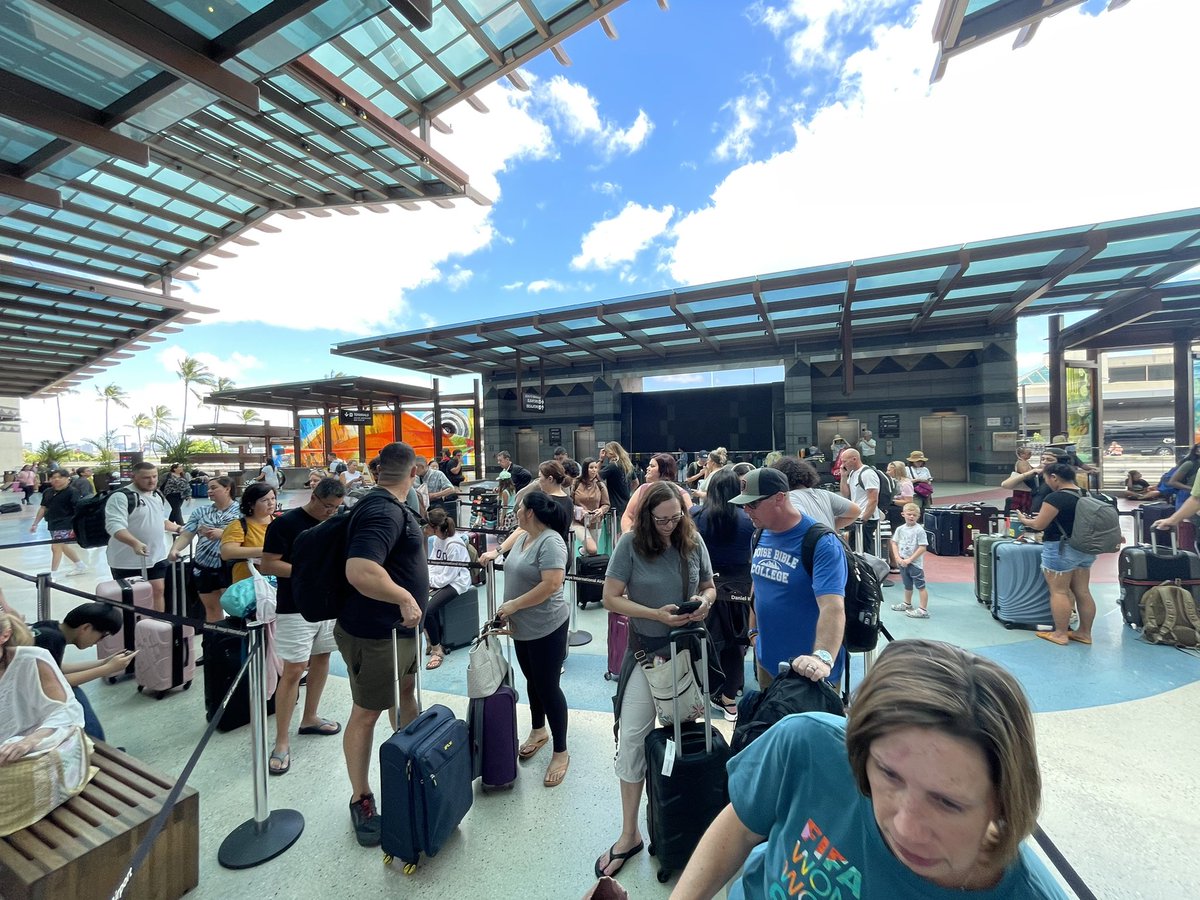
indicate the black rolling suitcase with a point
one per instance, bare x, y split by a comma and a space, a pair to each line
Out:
590, 567
425, 776
223, 657
943, 527
681, 804
1140, 568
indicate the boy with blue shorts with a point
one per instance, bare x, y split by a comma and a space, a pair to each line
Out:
909, 543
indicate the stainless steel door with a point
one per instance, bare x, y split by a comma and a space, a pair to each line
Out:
827, 428
529, 450
585, 443
944, 441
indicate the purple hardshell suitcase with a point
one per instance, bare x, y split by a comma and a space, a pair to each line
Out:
492, 723
618, 641
134, 591
166, 657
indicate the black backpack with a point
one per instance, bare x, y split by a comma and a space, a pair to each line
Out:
863, 597
789, 693
88, 522
318, 580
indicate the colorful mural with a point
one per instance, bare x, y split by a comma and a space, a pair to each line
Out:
1081, 429
416, 429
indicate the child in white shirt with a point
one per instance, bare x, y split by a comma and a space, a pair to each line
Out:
909, 543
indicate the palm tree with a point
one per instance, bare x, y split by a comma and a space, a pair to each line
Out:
140, 421
249, 415
334, 373
191, 371
58, 409
221, 384
160, 415
111, 394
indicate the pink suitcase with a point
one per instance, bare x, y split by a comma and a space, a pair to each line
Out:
618, 641
135, 591
166, 651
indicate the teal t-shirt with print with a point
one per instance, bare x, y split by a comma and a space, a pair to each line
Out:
794, 785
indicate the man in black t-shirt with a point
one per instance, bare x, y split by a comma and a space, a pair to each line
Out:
58, 508
388, 572
302, 645
520, 475
452, 466
82, 628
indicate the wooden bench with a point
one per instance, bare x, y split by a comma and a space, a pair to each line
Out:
82, 849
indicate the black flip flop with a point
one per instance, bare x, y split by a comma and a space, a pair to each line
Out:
322, 728
285, 758
623, 857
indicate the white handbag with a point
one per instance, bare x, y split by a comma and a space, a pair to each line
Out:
487, 668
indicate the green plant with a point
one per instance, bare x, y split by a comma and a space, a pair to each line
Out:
49, 453
173, 449
140, 421
191, 371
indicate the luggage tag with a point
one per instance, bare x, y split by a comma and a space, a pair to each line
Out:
669, 759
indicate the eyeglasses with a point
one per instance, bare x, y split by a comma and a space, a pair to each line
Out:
667, 520
754, 504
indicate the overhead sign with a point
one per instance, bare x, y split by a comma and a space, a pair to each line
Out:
532, 403
889, 426
356, 416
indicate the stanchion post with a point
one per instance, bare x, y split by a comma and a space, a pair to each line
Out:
576, 637
491, 590
42, 584
268, 833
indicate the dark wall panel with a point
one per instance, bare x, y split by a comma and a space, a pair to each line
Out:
738, 418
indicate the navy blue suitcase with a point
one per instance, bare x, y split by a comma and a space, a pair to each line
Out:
943, 528
424, 782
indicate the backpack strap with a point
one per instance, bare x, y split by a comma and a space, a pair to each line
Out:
1171, 613
808, 546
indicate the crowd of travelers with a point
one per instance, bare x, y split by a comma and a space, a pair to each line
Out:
687, 544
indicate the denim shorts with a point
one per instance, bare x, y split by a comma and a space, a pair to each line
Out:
913, 576
1060, 556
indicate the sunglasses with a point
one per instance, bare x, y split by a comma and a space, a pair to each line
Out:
754, 504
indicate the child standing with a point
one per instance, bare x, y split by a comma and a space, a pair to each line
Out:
908, 549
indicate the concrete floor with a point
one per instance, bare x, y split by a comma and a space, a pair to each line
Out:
1116, 725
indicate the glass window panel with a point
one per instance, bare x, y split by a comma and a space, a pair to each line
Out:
49, 49
988, 290
17, 140
895, 279
210, 18
508, 26
463, 55
309, 32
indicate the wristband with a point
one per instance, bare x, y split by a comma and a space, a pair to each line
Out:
752, 633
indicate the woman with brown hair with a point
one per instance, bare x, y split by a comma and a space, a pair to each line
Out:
616, 471
654, 567
591, 495
662, 468
929, 788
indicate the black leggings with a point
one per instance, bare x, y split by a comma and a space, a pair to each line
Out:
176, 501
433, 613
541, 663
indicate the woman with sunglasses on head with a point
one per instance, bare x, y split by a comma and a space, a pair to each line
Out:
207, 525
243, 537
662, 468
537, 616
655, 566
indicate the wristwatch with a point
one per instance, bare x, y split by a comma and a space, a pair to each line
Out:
823, 656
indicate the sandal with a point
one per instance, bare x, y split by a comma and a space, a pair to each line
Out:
554, 777
435, 660
1048, 636
528, 751
285, 762
612, 855
1076, 636
327, 728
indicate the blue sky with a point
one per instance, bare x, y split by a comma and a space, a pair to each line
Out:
715, 140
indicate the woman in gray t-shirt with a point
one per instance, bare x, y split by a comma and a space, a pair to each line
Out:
537, 616
645, 581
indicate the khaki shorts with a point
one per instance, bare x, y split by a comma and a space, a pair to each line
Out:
297, 639
371, 665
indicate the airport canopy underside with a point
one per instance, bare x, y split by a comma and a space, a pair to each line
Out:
929, 333
142, 141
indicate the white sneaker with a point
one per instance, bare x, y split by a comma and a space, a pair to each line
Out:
901, 607
79, 569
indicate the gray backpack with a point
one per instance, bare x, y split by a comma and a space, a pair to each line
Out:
1169, 616
1097, 527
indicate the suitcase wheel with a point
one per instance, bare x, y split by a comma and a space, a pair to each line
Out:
1009, 625
608, 676
387, 859
187, 686
664, 875
650, 849
139, 688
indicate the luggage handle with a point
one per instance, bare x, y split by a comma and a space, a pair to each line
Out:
400, 676
700, 632
1154, 539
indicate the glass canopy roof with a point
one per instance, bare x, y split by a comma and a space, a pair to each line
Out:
963, 24
138, 136
1123, 268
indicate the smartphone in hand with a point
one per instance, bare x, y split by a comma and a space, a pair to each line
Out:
687, 607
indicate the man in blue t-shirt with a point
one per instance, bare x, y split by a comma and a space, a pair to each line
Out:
798, 615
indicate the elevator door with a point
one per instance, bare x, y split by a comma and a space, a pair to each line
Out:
529, 450
944, 441
827, 428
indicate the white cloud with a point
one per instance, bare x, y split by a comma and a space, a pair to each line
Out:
819, 28
607, 188
459, 278
235, 366
513, 286
1008, 142
747, 117
574, 108
545, 284
368, 264
611, 242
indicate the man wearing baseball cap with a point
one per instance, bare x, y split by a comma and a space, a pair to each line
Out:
799, 611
